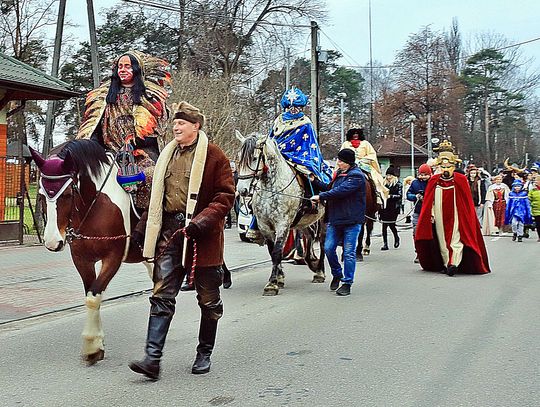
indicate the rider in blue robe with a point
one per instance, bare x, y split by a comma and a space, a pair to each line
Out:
296, 137
297, 141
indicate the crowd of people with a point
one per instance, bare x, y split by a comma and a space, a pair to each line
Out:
190, 189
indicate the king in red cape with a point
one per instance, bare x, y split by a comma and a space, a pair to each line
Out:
448, 236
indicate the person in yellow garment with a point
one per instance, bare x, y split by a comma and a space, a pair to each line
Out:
366, 158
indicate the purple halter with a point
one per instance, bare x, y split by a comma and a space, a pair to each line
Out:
55, 176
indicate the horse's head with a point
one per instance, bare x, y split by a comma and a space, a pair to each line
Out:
56, 194
251, 163
60, 185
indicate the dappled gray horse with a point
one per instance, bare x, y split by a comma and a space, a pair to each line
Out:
278, 195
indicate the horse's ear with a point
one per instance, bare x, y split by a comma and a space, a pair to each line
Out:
38, 158
68, 165
239, 136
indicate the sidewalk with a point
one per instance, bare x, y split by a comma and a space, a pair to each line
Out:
35, 281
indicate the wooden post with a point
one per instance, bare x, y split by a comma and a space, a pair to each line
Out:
3, 153
49, 120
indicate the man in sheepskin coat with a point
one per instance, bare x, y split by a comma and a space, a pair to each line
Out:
193, 188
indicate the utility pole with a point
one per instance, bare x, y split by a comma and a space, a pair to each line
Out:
181, 33
315, 77
288, 68
49, 119
93, 42
429, 143
370, 79
486, 119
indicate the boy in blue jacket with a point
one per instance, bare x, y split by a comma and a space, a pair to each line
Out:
345, 198
415, 194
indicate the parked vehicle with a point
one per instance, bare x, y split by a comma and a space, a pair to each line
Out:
245, 216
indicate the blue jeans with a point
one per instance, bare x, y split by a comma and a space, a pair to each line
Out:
348, 235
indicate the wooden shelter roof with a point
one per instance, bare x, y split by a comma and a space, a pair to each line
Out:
24, 82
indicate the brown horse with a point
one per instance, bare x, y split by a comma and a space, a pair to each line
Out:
87, 208
372, 207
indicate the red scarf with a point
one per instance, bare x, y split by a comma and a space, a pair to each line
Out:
355, 143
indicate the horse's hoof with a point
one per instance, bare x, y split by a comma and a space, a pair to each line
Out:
94, 357
318, 278
271, 289
281, 284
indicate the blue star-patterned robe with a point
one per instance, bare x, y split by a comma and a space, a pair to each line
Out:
297, 142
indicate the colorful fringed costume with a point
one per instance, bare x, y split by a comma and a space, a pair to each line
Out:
125, 126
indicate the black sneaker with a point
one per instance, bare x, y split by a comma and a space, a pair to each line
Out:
514, 236
335, 283
520, 238
345, 289
385, 247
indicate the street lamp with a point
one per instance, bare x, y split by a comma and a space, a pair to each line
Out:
412, 118
342, 95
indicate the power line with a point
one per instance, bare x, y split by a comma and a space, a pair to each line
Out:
357, 65
169, 7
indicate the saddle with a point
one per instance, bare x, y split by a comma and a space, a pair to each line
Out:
307, 207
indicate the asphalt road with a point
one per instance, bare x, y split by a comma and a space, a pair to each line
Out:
404, 337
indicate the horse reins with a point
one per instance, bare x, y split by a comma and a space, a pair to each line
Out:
71, 233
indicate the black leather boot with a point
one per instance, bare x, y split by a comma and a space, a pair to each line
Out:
227, 281
396, 241
207, 339
158, 326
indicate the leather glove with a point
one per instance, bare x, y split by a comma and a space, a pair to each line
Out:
137, 238
192, 230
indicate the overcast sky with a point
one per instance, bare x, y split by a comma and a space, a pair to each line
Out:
347, 29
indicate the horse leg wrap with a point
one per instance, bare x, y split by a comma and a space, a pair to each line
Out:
93, 332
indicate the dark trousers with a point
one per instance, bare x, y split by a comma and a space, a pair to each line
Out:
392, 227
537, 222
168, 276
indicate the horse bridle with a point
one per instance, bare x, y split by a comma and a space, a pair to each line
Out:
263, 171
258, 171
71, 233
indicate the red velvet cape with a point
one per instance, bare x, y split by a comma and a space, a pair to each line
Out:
475, 259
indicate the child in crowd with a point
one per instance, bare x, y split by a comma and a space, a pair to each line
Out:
518, 210
534, 197
415, 194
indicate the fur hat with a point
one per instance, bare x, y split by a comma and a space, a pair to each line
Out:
391, 171
347, 156
185, 111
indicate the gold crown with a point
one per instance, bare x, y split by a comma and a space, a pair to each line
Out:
446, 153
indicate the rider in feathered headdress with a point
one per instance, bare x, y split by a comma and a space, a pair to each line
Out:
130, 105
127, 114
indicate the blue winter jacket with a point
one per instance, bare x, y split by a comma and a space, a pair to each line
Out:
345, 197
417, 187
